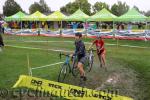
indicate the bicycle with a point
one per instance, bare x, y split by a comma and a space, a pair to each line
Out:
90, 59
66, 68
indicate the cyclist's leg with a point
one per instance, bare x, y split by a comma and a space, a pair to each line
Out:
100, 60
103, 59
81, 64
80, 67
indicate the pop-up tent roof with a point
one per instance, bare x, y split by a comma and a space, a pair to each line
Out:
16, 17
56, 16
132, 15
37, 16
77, 16
148, 18
103, 15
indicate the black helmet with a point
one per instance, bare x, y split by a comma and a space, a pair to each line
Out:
78, 34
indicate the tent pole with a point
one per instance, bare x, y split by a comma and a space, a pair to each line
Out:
113, 30
60, 28
146, 31
114, 35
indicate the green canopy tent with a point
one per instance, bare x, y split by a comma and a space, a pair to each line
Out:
16, 17
132, 15
56, 16
103, 15
37, 16
77, 16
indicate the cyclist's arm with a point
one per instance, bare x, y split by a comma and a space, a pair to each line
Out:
91, 45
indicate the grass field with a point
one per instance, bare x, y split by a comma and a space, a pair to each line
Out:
130, 65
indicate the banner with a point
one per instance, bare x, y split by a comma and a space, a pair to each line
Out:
51, 88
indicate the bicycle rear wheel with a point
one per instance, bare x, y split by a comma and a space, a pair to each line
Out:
63, 72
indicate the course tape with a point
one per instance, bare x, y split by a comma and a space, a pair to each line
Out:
65, 90
47, 65
34, 48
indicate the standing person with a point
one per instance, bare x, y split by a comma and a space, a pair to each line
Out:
1, 42
100, 50
80, 52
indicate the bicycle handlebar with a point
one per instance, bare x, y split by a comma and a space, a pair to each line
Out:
60, 54
91, 49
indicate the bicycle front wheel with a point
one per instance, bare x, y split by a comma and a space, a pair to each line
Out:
63, 72
91, 60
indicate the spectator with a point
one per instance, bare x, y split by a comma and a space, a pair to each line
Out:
130, 26
120, 27
1, 42
140, 26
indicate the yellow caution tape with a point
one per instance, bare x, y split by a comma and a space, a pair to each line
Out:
65, 90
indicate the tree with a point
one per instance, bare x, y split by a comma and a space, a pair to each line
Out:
142, 12
99, 6
147, 13
35, 7
39, 6
11, 7
137, 9
119, 8
45, 8
74, 6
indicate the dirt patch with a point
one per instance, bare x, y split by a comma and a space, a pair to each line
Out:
118, 78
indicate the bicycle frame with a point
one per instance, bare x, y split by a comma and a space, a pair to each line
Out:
67, 60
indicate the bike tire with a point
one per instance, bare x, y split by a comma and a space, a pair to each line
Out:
91, 63
63, 72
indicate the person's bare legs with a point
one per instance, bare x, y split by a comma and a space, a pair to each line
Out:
80, 67
103, 59
82, 73
100, 60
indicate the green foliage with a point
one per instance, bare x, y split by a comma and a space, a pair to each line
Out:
70, 8
147, 13
35, 7
119, 8
45, 8
39, 6
99, 6
11, 7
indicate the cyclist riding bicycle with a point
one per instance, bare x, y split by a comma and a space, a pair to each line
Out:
80, 52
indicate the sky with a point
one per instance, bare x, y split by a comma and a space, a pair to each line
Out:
143, 5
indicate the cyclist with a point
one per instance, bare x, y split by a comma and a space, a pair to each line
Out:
100, 50
80, 52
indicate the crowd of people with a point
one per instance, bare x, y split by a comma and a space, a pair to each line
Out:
70, 25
